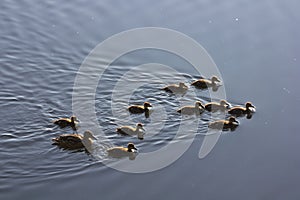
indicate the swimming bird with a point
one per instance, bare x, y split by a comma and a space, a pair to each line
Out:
128, 130
181, 88
75, 141
197, 109
239, 111
64, 122
214, 106
121, 152
224, 125
206, 83
137, 109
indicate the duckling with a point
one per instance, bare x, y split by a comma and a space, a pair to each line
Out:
197, 109
128, 130
214, 106
137, 109
64, 122
121, 152
240, 111
181, 88
75, 141
206, 83
231, 123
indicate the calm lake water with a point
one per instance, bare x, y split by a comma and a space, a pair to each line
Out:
255, 45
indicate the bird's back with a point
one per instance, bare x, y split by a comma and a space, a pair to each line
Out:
136, 109
237, 111
69, 141
202, 83
125, 130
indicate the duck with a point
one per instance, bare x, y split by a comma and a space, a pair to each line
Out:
181, 88
206, 83
75, 141
138, 109
197, 109
214, 106
65, 122
239, 111
121, 152
230, 123
128, 130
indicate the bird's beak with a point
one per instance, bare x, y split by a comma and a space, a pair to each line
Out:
143, 128
252, 108
93, 137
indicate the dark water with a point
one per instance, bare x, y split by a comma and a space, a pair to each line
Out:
255, 45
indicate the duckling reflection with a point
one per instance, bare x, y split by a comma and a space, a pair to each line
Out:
224, 125
197, 109
214, 106
123, 152
138, 109
65, 122
128, 130
75, 141
181, 88
207, 83
147, 113
240, 111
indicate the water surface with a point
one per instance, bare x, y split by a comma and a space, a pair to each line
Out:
255, 45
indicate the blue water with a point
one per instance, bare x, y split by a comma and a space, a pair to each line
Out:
255, 45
